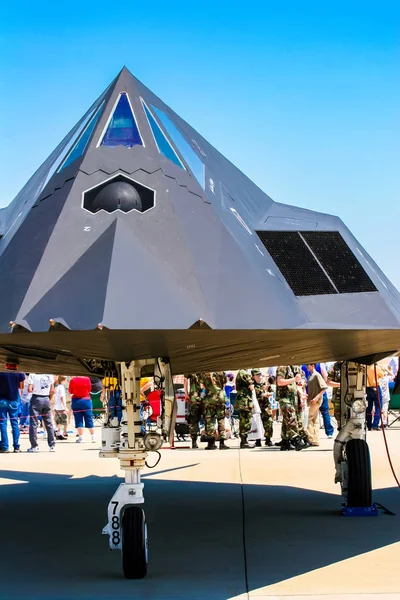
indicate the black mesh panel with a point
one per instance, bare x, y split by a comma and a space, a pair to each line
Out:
296, 263
339, 261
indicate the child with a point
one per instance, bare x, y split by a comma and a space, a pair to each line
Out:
60, 409
272, 399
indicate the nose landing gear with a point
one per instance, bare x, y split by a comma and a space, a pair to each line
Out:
129, 441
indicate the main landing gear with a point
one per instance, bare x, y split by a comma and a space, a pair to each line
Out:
351, 453
129, 440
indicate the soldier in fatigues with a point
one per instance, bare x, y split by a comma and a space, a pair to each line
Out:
195, 406
244, 405
333, 381
287, 378
214, 408
263, 396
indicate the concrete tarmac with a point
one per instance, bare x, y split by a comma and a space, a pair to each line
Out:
222, 525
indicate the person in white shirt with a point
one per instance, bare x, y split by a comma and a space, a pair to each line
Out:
60, 409
42, 389
384, 385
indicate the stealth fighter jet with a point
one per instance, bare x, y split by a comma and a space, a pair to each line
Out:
137, 238
137, 245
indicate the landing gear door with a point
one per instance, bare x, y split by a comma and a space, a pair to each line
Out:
170, 406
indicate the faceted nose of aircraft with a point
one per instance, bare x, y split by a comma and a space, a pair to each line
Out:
117, 195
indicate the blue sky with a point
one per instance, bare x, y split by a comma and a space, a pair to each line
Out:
302, 96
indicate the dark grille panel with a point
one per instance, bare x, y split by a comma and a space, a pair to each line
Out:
311, 260
296, 263
339, 261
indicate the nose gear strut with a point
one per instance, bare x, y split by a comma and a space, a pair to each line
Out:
129, 441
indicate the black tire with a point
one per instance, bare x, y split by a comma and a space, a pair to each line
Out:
134, 543
359, 487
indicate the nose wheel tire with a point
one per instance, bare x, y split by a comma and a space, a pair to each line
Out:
134, 543
359, 492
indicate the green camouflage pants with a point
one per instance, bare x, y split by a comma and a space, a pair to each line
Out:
300, 424
195, 412
267, 419
290, 427
212, 412
244, 422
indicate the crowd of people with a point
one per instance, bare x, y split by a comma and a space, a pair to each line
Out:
28, 400
254, 398
298, 393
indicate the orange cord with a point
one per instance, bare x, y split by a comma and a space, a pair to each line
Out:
383, 430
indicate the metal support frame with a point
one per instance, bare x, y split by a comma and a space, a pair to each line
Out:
353, 406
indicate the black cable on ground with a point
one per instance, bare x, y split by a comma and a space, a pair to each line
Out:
243, 526
385, 510
383, 430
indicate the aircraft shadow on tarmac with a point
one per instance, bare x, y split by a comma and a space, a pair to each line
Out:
52, 545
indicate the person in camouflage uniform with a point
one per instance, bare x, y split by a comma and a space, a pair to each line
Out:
263, 396
195, 406
214, 408
287, 378
333, 381
244, 405
299, 418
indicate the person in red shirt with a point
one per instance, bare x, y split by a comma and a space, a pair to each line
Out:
80, 388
